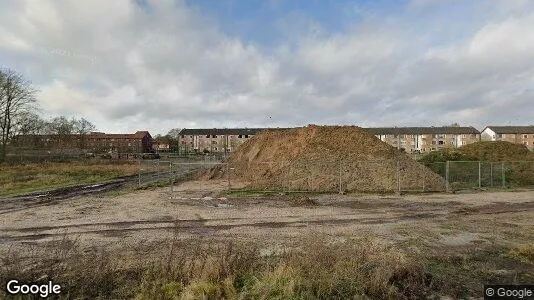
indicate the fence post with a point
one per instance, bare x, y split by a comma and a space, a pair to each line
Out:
201, 173
447, 184
398, 177
479, 174
340, 175
503, 175
229, 177
491, 174
139, 175
157, 166
171, 179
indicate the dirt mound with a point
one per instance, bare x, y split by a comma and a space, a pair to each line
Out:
496, 151
323, 158
303, 201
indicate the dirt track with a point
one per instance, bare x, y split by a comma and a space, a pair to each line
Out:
115, 221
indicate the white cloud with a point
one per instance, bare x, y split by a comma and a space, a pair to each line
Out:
129, 68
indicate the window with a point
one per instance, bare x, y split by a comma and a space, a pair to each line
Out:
239, 136
214, 136
525, 136
246, 136
208, 136
215, 148
183, 136
440, 143
214, 142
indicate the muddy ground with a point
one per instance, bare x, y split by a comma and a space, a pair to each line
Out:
439, 221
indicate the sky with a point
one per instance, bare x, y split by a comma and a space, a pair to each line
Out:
129, 65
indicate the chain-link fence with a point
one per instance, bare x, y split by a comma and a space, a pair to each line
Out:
461, 175
342, 176
175, 169
201, 178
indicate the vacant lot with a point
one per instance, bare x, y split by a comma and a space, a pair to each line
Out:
459, 241
30, 177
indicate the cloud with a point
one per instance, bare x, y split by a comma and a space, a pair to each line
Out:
165, 64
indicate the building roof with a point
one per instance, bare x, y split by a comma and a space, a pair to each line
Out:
96, 135
224, 131
511, 129
137, 135
423, 130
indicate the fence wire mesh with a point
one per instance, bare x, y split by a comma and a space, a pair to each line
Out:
200, 178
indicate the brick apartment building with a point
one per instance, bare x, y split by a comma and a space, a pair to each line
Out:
222, 140
425, 139
514, 134
215, 139
411, 139
97, 142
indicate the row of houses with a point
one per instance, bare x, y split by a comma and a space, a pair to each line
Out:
99, 142
410, 139
216, 139
224, 140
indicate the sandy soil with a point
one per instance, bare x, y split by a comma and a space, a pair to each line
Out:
447, 220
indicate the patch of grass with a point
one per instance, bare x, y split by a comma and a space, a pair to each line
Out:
462, 272
16, 179
200, 268
523, 253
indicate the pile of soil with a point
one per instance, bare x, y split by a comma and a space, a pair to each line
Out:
325, 158
496, 151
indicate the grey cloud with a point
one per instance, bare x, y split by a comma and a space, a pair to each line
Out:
169, 66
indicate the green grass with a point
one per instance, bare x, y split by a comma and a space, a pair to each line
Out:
18, 179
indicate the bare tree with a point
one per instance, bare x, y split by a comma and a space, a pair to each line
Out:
174, 133
173, 137
17, 97
63, 128
82, 127
26, 125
